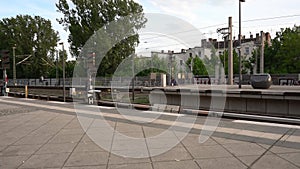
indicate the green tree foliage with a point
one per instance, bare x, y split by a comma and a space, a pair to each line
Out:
83, 18
32, 36
235, 62
144, 66
283, 56
150, 65
58, 65
248, 64
198, 66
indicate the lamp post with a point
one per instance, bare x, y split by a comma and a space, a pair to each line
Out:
56, 70
64, 78
14, 64
133, 77
240, 43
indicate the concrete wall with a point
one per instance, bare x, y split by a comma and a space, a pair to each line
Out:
284, 104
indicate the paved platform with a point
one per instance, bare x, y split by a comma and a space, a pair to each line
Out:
40, 134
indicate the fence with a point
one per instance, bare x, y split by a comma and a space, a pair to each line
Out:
289, 79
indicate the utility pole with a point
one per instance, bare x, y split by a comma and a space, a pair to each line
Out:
57, 55
133, 77
64, 74
240, 43
262, 47
230, 54
192, 63
14, 65
255, 67
4, 82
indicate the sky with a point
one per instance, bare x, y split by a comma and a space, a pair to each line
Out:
204, 15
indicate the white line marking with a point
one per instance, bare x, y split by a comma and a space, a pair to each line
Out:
164, 113
100, 107
267, 124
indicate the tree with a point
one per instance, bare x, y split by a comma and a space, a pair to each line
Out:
198, 66
32, 36
248, 64
235, 62
283, 56
84, 18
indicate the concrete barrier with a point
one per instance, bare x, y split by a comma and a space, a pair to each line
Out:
281, 103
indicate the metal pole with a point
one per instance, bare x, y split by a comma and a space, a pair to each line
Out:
14, 65
64, 78
262, 34
133, 75
240, 43
64, 74
255, 67
4, 83
57, 55
192, 63
230, 54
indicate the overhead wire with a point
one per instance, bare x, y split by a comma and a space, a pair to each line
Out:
216, 25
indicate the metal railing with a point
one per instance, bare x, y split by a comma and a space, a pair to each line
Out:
143, 81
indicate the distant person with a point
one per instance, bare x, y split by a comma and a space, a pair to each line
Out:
42, 79
173, 82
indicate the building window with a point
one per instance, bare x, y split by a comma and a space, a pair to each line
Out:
199, 54
247, 51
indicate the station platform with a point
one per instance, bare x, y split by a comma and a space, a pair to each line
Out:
47, 134
279, 101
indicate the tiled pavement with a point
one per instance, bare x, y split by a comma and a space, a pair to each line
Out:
49, 135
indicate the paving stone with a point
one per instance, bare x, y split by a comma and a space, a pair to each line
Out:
87, 167
87, 147
10, 162
131, 166
178, 153
2, 148
20, 150
248, 160
283, 149
59, 134
129, 135
152, 131
129, 145
73, 125
46, 161
193, 140
160, 142
86, 138
102, 123
65, 139
99, 133
190, 164
5, 141
33, 140
56, 148
224, 163
87, 158
274, 162
215, 151
117, 158
71, 131
292, 157
224, 141
126, 128
245, 149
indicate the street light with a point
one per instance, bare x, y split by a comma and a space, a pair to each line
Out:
14, 64
240, 43
64, 78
